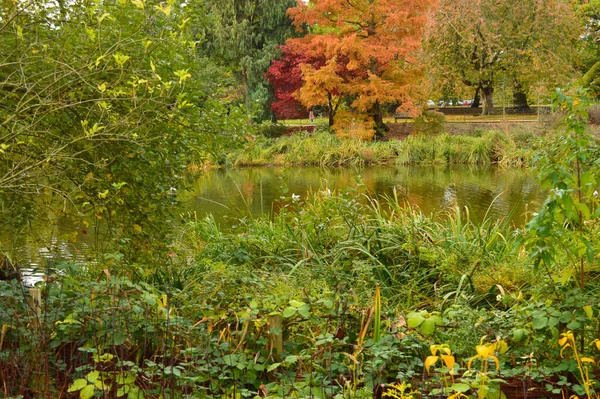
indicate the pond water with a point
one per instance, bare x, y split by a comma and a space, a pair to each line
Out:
487, 191
232, 193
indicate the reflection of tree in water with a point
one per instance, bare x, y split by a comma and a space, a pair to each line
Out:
433, 189
234, 193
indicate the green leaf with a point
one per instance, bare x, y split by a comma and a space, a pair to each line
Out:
574, 325
304, 311
589, 312
87, 392
296, 304
289, 311
427, 327
291, 359
566, 276
460, 387
437, 320
273, 367
519, 334
119, 338
414, 320
326, 302
135, 393
540, 322
77, 385
92, 376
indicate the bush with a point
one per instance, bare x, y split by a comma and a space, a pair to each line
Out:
430, 123
272, 130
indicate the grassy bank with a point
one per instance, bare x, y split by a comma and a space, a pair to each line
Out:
284, 307
324, 149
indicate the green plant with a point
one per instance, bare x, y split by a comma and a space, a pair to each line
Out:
561, 234
430, 123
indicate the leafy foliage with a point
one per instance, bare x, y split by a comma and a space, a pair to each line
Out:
479, 44
99, 105
369, 59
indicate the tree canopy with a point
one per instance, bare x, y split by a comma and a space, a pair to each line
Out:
244, 36
526, 43
371, 51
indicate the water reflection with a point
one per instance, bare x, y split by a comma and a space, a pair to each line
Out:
233, 193
255, 191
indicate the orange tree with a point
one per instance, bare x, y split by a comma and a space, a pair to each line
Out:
371, 50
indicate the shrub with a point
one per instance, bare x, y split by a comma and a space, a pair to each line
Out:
272, 130
430, 123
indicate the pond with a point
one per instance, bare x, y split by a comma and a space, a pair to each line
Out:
250, 192
489, 191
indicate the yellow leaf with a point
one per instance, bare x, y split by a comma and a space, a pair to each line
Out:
430, 361
433, 349
501, 346
448, 361
137, 228
484, 351
138, 3
165, 9
587, 360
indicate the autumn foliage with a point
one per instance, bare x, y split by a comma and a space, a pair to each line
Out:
285, 76
370, 48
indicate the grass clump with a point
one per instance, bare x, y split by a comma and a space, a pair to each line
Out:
325, 149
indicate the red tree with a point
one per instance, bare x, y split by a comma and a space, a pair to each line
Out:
285, 76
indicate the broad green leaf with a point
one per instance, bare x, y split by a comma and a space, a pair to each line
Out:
460, 387
519, 334
119, 338
289, 311
77, 385
291, 359
437, 320
92, 376
273, 367
414, 320
296, 304
427, 327
540, 322
87, 392
304, 311
574, 325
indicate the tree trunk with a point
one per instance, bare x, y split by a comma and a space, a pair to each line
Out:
380, 127
477, 99
519, 96
591, 75
487, 95
331, 113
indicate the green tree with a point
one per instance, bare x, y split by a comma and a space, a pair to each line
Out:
244, 35
589, 12
101, 106
526, 43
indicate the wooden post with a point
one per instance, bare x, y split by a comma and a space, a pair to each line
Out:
36, 304
276, 334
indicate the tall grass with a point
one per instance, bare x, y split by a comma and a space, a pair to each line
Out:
325, 149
